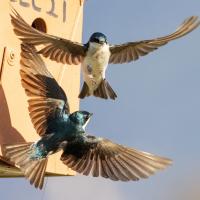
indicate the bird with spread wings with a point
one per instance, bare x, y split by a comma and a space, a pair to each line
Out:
96, 54
61, 130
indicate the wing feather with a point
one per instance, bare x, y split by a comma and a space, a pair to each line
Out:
53, 46
47, 101
101, 157
132, 51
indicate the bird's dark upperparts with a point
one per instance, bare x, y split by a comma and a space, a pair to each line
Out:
98, 37
80, 117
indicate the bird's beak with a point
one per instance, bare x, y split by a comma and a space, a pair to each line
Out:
91, 114
101, 40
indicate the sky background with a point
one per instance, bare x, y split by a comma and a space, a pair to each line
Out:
157, 109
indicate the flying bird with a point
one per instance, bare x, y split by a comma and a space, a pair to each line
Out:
96, 54
61, 130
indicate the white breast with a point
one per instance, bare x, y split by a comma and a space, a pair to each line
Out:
97, 58
95, 64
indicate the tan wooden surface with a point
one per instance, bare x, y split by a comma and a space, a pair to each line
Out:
15, 124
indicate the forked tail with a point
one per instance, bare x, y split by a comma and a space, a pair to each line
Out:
33, 168
84, 91
104, 91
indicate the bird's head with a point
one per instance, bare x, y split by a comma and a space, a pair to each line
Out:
98, 38
80, 118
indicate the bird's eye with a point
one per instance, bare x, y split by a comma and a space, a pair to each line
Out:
96, 40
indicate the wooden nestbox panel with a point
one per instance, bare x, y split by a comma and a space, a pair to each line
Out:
62, 18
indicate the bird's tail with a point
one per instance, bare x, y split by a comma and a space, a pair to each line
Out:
104, 91
85, 92
22, 156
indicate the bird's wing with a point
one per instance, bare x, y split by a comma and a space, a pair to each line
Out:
47, 100
101, 157
133, 50
58, 49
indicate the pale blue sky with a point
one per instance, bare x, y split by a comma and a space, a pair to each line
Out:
157, 110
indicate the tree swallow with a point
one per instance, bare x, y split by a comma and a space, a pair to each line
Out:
60, 130
96, 54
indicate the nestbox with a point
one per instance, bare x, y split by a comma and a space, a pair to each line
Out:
58, 17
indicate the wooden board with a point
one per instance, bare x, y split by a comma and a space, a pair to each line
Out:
63, 18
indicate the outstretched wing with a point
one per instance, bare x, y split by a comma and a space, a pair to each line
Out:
133, 50
101, 157
58, 49
47, 100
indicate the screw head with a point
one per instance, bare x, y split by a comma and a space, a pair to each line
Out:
11, 57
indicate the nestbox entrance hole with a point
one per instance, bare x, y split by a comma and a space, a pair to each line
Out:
40, 25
